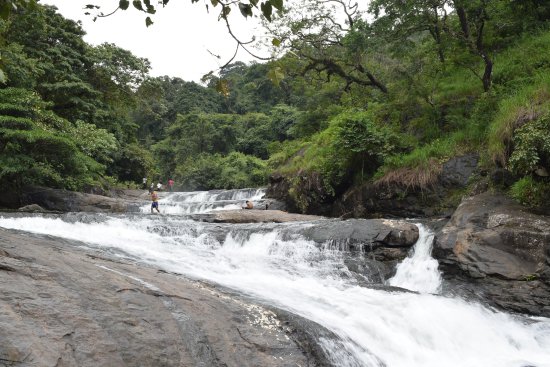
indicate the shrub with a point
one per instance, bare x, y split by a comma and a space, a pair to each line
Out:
531, 147
527, 104
531, 192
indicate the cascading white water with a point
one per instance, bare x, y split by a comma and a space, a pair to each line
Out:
205, 201
419, 272
375, 327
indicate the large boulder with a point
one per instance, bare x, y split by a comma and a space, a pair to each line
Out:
362, 234
501, 249
71, 201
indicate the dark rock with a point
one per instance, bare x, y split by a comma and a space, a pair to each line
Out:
362, 234
273, 204
32, 208
502, 177
492, 238
70, 201
372, 200
278, 189
309, 193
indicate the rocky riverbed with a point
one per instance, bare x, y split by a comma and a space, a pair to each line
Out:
66, 303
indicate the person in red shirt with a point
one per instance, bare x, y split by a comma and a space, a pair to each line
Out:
170, 184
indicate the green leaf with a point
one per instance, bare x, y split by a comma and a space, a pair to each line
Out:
148, 21
5, 11
254, 2
277, 4
276, 42
276, 75
137, 4
225, 12
246, 10
267, 10
214, 2
124, 4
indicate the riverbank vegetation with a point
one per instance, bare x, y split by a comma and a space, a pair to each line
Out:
351, 99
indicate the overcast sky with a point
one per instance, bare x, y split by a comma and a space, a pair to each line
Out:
176, 44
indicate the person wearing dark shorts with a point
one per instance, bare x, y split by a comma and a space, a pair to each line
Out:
155, 202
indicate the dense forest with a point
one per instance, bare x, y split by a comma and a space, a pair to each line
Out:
385, 96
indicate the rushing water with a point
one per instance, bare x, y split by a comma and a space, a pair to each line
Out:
205, 201
375, 327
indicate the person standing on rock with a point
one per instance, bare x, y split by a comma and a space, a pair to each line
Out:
144, 183
155, 202
171, 184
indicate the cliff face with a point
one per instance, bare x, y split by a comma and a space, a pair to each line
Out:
379, 200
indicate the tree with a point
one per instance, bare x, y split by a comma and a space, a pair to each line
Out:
314, 31
37, 148
57, 57
470, 27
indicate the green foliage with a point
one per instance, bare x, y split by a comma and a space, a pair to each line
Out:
531, 192
520, 64
96, 143
33, 151
524, 105
531, 144
284, 119
390, 99
531, 277
132, 162
214, 171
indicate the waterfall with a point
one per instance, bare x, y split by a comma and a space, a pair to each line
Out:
205, 201
419, 271
375, 327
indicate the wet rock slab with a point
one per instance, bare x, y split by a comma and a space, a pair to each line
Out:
355, 234
62, 305
252, 216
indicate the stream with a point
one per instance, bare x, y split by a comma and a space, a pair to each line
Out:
377, 324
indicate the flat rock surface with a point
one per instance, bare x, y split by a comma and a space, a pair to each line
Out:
64, 305
253, 216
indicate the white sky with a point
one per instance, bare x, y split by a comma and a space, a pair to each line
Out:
176, 44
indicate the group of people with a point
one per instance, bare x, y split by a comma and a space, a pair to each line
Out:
159, 185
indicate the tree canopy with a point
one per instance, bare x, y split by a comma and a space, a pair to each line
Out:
354, 94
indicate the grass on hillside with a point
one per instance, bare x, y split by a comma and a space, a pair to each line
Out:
521, 93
